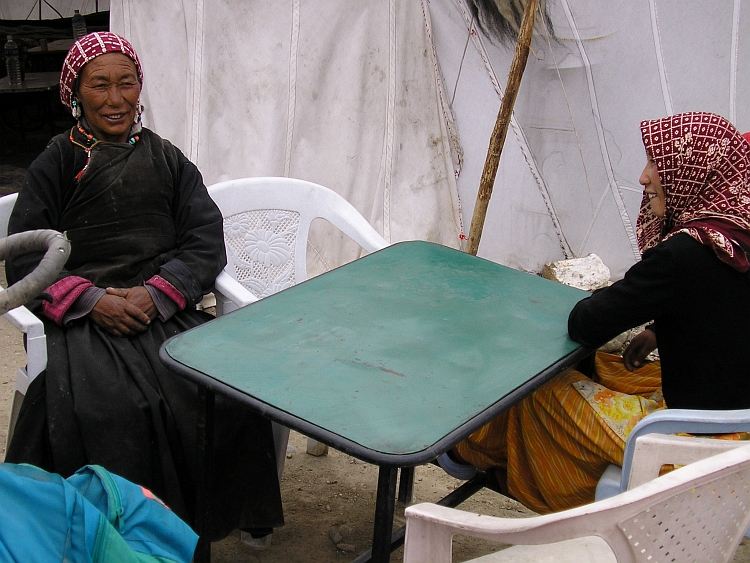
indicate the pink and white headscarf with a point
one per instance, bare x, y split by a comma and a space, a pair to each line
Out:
704, 168
89, 47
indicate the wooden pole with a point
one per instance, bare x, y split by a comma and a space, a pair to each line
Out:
497, 140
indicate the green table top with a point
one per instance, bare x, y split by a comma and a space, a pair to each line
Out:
389, 354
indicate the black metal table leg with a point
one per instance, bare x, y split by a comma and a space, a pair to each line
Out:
206, 399
406, 485
385, 504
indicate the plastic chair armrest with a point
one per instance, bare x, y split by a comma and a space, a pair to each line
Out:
36, 343
230, 289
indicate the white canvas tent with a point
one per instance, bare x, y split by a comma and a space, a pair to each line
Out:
391, 103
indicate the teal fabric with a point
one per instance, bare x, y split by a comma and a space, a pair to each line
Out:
414, 336
94, 516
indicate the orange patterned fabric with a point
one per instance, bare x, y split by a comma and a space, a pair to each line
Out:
553, 444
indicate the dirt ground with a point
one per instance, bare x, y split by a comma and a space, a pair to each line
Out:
321, 495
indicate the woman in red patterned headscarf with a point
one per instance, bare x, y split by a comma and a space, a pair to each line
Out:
146, 244
550, 450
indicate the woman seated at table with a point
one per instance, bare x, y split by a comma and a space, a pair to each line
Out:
693, 230
146, 244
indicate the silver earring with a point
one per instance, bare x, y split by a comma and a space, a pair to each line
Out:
76, 111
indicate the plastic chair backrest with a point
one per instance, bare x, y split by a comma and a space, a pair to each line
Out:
6, 207
696, 513
673, 421
267, 222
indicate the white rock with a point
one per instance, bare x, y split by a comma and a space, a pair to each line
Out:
587, 273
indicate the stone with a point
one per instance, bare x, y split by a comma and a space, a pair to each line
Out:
588, 273
316, 448
349, 548
335, 536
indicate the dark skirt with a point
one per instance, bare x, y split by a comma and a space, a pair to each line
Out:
110, 401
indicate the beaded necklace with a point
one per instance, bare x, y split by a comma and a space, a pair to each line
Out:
88, 147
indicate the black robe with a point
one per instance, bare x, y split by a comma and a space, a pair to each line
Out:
701, 309
137, 211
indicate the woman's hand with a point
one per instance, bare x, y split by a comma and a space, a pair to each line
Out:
641, 346
124, 311
138, 296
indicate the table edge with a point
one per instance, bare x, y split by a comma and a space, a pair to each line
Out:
357, 450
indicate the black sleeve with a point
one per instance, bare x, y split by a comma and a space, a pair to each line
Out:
646, 292
39, 204
200, 255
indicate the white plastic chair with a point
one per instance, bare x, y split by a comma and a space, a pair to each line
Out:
266, 225
25, 321
696, 513
669, 421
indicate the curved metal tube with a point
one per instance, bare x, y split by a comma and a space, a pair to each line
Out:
57, 249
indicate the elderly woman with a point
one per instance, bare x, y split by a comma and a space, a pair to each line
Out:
550, 450
146, 244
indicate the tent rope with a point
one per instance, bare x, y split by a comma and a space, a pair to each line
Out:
457, 155
292, 100
613, 187
523, 143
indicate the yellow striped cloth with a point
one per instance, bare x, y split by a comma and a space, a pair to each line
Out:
554, 445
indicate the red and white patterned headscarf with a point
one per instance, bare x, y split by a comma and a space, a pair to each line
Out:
89, 47
704, 168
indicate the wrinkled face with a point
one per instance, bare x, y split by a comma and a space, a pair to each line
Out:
108, 91
652, 188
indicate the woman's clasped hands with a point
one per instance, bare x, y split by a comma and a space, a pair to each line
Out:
124, 311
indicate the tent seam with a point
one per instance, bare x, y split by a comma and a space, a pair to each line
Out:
197, 73
389, 133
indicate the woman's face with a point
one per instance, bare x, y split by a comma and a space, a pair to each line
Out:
108, 91
652, 188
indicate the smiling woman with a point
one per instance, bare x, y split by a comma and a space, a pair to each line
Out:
147, 243
109, 93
